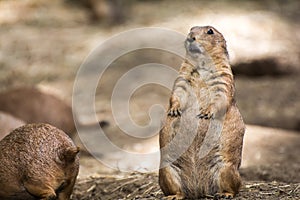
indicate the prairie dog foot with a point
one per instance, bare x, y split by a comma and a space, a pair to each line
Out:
225, 195
174, 197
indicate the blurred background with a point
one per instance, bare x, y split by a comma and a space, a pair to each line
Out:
43, 44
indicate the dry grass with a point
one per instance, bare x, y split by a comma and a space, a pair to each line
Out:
145, 186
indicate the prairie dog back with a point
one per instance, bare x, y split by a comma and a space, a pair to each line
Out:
37, 161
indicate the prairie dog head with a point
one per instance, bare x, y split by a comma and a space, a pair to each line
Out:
205, 41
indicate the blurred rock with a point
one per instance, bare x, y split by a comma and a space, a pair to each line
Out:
270, 101
265, 67
110, 11
32, 106
8, 123
271, 154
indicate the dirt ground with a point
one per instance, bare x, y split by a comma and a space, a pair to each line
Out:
270, 170
144, 186
43, 43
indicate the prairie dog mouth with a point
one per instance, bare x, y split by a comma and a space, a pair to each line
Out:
192, 47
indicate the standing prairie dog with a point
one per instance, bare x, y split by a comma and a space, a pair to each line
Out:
203, 122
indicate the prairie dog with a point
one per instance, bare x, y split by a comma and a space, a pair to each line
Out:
37, 161
203, 122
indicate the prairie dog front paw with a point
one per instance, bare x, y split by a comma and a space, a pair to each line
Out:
174, 110
205, 113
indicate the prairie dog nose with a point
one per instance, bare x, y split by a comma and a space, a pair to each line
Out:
191, 37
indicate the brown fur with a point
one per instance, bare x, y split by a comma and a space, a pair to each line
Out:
34, 106
37, 161
203, 123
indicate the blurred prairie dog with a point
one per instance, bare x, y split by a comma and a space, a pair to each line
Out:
33, 105
203, 115
8, 123
37, 161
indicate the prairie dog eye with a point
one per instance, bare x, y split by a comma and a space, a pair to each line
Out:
210, 32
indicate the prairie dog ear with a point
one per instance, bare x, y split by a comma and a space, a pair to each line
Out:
68, 155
